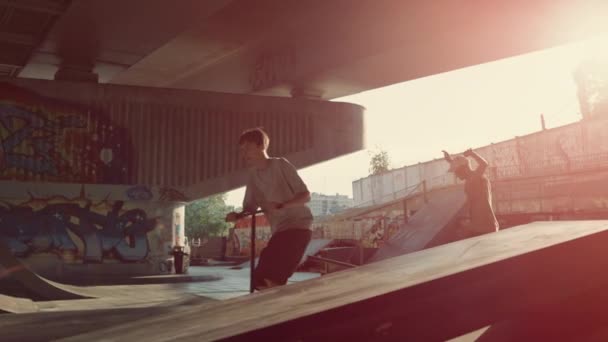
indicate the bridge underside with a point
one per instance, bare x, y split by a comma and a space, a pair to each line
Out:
317, 48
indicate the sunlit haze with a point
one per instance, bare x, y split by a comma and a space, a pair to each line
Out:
471, 107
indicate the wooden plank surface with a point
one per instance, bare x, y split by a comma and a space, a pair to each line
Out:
425, 225
56, 296
121, 296
39, 287
579, 318
9, 304
47, 326
435, 294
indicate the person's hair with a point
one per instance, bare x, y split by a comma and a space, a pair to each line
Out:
256, 136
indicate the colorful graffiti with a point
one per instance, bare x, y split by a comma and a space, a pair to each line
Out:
377, 230
581, 146
374, 236
241, 241
172, 195
140, 193
105, 229
240, 237
43, 140
371, 229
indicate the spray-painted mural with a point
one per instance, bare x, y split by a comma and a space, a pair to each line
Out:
44, 140
379, 229
576, 147
371, 226
118, 231
240, 236
172, 195
47, 149
139, 193
79, 229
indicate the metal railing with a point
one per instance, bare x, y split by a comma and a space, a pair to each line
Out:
422, 187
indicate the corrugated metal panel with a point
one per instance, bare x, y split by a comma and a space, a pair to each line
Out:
181, 139
173, 144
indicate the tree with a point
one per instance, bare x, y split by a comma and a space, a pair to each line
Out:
205, 217
591, 77
379, 163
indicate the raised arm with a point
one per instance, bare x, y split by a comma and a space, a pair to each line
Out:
482, 164
447, 156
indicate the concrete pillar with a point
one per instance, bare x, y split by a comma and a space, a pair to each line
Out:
179, 227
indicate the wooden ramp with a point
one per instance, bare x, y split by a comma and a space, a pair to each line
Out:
48, 326
53, 296
9, 304
37, 287
431, 295
425, 225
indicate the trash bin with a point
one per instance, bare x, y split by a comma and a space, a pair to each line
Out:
178, 259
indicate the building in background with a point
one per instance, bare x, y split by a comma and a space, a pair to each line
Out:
322, 205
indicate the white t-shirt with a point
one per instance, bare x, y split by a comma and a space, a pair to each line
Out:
279, 182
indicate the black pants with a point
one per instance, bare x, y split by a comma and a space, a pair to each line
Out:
282, 255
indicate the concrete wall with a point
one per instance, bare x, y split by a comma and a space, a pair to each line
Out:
578, 147
239, 241
372, 226
61, 228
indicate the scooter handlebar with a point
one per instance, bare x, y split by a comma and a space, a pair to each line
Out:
247, 213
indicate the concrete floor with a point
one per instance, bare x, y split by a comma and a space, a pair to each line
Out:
117, 304
222, 283
234, 283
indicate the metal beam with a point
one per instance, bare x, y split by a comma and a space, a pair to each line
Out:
38, 6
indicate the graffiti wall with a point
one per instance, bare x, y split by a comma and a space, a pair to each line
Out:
376, 230
45, 140
64, 175
576, 147
581, 192
93, 173
80, 229
240, 236
371, 229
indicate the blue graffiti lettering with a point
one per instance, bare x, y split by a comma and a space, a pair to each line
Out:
46, 230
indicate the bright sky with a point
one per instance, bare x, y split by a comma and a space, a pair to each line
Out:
413, 121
